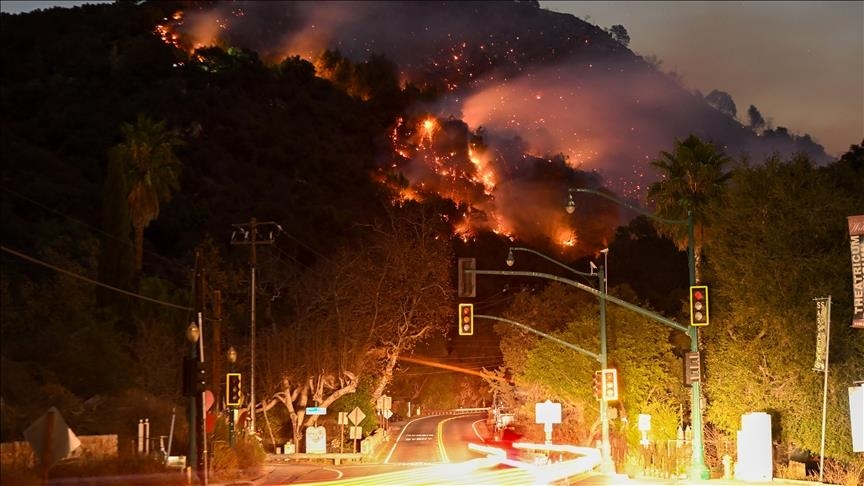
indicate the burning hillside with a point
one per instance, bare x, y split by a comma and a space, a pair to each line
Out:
531, 101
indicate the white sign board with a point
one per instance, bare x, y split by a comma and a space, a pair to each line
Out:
316, 440
356, 416
547, 412
384, 402
51, 426
856, 417
644, 422
355, 433
343, 418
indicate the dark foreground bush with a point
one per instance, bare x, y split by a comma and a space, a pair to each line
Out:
131, 471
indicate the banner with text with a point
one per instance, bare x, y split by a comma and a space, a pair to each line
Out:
856, 244
823, 315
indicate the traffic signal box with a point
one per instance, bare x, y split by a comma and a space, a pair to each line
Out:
232, 389
466, 319
698, 305
609, 384
598, 386
692, 368
194, 376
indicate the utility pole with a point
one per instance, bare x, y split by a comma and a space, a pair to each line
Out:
200, 424
248, 234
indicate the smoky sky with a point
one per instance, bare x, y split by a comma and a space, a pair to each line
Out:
539, 85
558, 83
801, 63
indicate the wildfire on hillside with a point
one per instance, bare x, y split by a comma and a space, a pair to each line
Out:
493, 179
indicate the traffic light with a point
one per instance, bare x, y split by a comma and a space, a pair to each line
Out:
692, 368
200, 377
698, 305
466, 319
598, 387
610, 384
232, 389
194, 376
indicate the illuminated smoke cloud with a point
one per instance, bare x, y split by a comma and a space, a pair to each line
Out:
556, 100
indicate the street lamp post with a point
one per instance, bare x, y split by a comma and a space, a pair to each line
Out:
608, 466
698, 470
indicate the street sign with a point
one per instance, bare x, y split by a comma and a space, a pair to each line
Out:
50, 438
355, 433
387, 413
316, 410
356, 416
547, 412
343, 418
384, 402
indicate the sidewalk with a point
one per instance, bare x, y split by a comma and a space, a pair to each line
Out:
705, 482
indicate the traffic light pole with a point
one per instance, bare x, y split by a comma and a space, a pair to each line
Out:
608, 466
698, 469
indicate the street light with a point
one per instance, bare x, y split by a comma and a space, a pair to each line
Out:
606, 451
698, 470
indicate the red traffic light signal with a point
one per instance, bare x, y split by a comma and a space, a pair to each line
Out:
609, 379
466, 319
698, 305
232, 389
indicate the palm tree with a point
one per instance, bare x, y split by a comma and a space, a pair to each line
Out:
692, 178
152, 173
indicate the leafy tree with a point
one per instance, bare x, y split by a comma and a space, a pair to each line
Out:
153, 173
543, 369
755, 119
722, 101
780, 240
353, 315
619, 33
692, 179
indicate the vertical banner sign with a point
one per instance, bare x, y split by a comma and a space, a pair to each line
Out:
822, 317
856, 244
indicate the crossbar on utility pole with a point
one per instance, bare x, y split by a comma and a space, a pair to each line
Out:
247, 234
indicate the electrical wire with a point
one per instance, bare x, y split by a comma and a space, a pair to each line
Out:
89, 280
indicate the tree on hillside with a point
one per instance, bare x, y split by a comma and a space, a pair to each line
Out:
723, 102
692, 179
755, 120
619, 33
152, 172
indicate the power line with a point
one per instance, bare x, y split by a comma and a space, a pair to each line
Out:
89, 280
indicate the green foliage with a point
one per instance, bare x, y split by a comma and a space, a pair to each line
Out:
648, 370
692, 179
761, 344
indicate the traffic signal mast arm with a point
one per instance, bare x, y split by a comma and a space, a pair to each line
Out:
590, 290
542, 334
